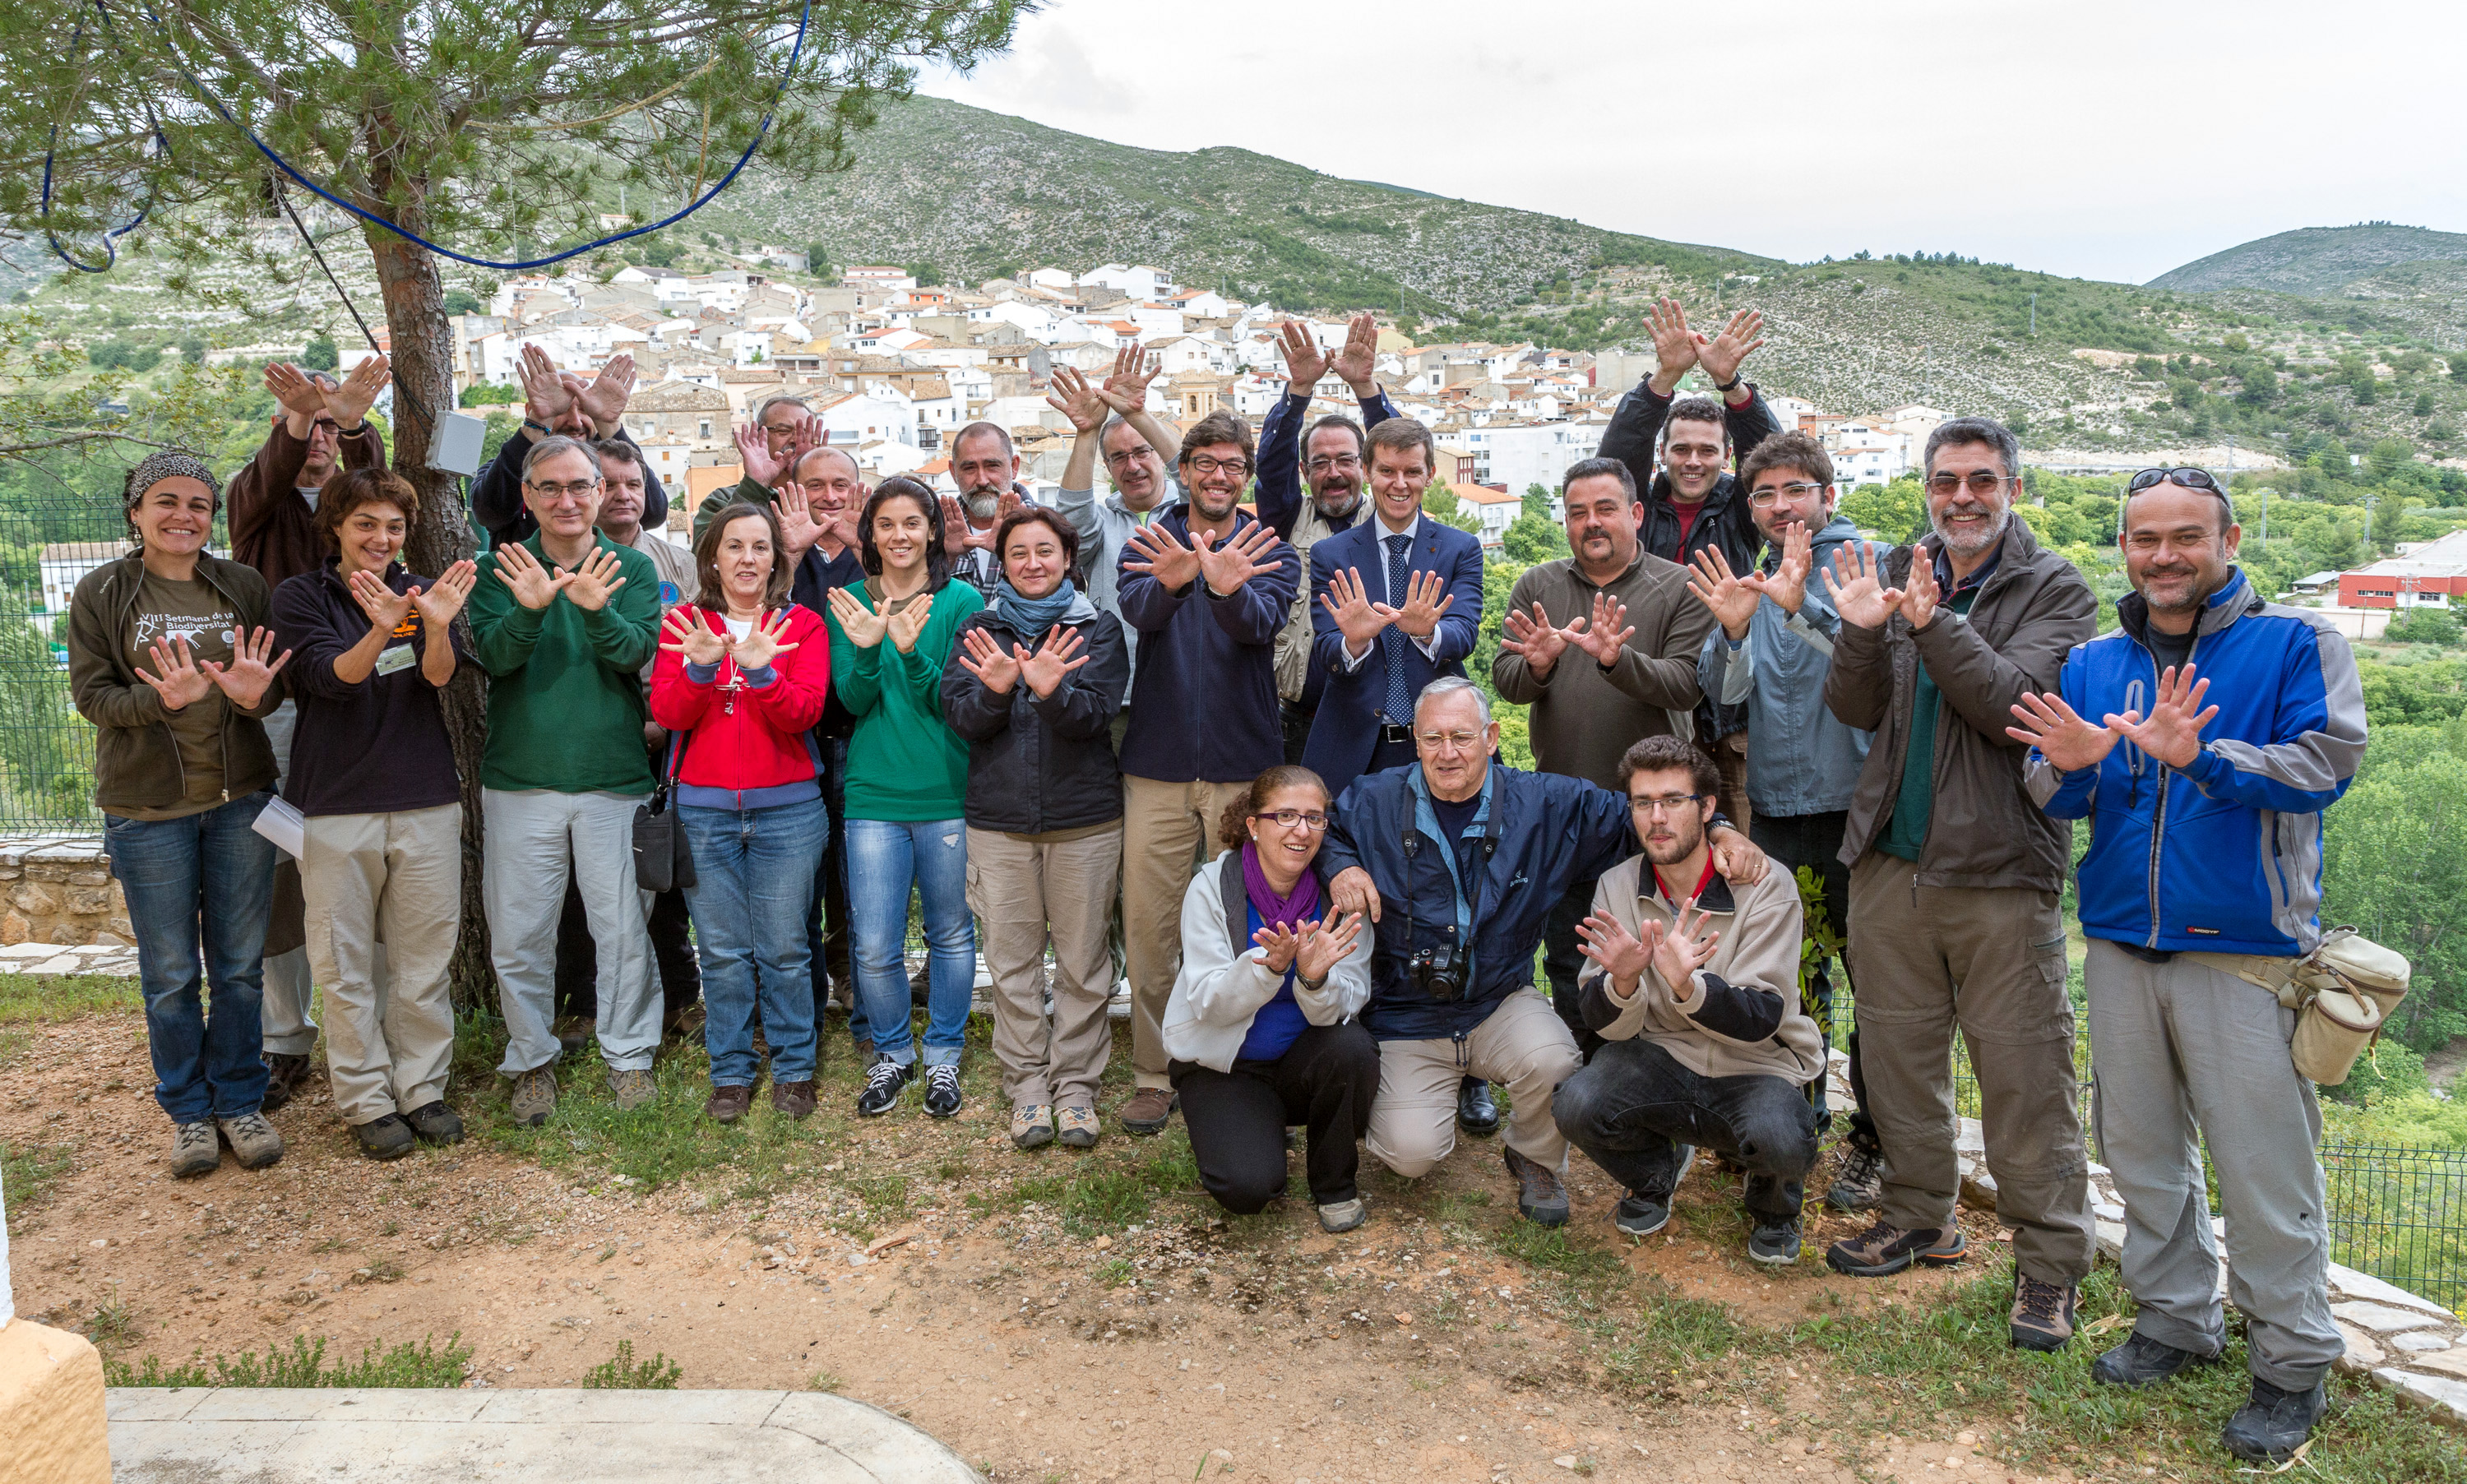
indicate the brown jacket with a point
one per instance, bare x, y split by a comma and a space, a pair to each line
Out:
272, 527
136, 758
1584, 717
1983, 828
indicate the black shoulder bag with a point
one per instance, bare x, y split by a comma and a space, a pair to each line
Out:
662, 860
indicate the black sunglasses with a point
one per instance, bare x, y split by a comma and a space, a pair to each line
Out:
2189, 478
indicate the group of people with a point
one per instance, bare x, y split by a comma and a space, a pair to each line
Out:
1235, 751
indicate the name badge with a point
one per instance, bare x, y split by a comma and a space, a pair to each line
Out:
396, 657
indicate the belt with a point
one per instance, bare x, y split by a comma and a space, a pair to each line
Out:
1389, 731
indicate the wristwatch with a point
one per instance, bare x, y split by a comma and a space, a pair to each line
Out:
1731, 385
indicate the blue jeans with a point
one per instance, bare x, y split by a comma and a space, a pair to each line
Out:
884, 858
754, 871
203, 877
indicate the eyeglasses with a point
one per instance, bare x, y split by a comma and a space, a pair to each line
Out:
1289, 817
557, 491
1237, 467
1652, 808
1798, 490
1122, 458
1980, 483
1325, 463
2189, 478
1435, 741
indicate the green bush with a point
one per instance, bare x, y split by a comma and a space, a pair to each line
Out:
621, 1372
303, 1364
2424, 627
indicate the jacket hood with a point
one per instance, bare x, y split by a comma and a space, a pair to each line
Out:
2234, 598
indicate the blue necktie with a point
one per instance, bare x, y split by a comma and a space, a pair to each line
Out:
1400, 705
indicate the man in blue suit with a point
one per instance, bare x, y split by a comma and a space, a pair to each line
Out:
1395, 604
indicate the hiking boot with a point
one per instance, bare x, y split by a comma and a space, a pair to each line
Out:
253, 1141
2042, 1313
1884, 1250
575, 1031
942, 1090
921, 984
1774, 1241
194, 1150
436, 1123
1148, 1112
796, 1099
2272, 1424
1477, 1111
389, 1138
2143, 1362
1031, 1126
1078, 1125
1540, 1197
535, 1096
727, 1105
632, 1089
1343, 1215
1641, 1216
883, 1082
863, 1046
284, 1075
1858, 1186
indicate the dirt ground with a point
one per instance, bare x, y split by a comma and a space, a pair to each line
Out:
1188, 1347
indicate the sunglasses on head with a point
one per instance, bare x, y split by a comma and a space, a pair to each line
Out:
2188, 478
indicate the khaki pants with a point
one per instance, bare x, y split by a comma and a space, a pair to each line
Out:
1023, 895
395, 878
1991, 960
1524, 1044
1167, 829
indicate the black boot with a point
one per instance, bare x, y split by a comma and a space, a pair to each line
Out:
2273, 1423
2143, 1362
1477, 1112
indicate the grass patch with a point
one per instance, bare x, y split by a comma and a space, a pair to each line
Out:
25, 998
1665, 1340
27, 1172
1548, 1248
826, 1380
621, 1372
409, 1367
111, 1326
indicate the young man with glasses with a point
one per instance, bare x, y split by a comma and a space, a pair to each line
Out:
2203, 885
1955, 873
1773, 647
1694, 987
1206, 588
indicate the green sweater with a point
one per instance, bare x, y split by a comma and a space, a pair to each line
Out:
904, 764
565, 701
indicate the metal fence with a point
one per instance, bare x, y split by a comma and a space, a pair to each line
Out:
48, 541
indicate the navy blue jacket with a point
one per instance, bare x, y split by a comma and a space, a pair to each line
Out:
1346, 732
1544, 832
373, 746
1203, 694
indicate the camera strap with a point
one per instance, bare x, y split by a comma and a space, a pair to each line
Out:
1426, 821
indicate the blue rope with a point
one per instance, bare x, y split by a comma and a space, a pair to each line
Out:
111, 237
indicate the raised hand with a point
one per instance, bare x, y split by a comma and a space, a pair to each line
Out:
1606, 633
1226, 566
545, 397
298, 395
604, 400
988, 661
352, 397
1127, 389
1044, 669
1359, 356
446, 596
1306, 362
754, 453
958, 535
1281, 943
684, 633
1602, 938
385, 607
1163, 556
593, 586
1856, 583
798, 528
1539, 640
2173, 732
1323, 947
909, 623
1426, 602
248, 675
1732, 599
2062, 737
862, 625
761, 644
1737, 859
1075, 398
181, 682
1686, 946
1920, 595
1674, 348
1721, 356
1787, 583
532, 584
1356, 616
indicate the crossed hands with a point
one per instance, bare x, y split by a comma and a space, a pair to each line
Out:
1305, 362
1856, 581
866, 628
1674, 951
2172, 732
184, 678
1309, 949
702, 644
1426, 600
1602, 635
1677, 347
958, 535
1225, 565
588, 587
1733, 597
1057, 657
348, 403
437, 607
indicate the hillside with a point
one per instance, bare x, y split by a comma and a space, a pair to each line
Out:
2313, 261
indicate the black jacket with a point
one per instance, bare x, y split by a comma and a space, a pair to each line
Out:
376, 746
1039, 765
497, 494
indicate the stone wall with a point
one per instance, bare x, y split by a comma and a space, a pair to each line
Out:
55, 889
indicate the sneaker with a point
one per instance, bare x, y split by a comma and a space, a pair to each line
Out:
436, 1123
253, 1141
575, 1031
942, 1090
284, 1074
883, 1082
2272, 1424
1540, 1197
1641, 1216
796, 1099
2143, 1362
727, 1105
2042, 1313
535, 1096
1885, 1249
1477, 1111
1031, 1126
632, 1089
1148, 1112
1343, 1215
1858, 1186
194, 1151
1078, 1124
389, 1138
1774, 1241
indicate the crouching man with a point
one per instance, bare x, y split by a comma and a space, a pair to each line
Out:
1693, 988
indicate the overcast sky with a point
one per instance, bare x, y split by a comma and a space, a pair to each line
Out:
2096, 138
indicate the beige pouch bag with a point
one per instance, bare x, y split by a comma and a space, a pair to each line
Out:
2342, 993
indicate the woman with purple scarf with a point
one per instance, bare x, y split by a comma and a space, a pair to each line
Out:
1260, 1027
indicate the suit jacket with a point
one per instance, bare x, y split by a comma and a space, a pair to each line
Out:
1345, 730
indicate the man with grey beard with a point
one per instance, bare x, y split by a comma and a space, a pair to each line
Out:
986, 468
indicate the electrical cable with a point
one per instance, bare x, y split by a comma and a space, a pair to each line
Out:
400, 391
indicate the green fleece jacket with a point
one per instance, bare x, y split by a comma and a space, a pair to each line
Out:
565, 698
905, 764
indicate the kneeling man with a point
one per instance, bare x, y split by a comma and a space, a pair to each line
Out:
1693, 988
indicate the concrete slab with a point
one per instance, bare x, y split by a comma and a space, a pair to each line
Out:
518, 1437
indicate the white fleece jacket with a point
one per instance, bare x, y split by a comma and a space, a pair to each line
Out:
1223, 984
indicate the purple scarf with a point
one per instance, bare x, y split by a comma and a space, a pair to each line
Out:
1290, 910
